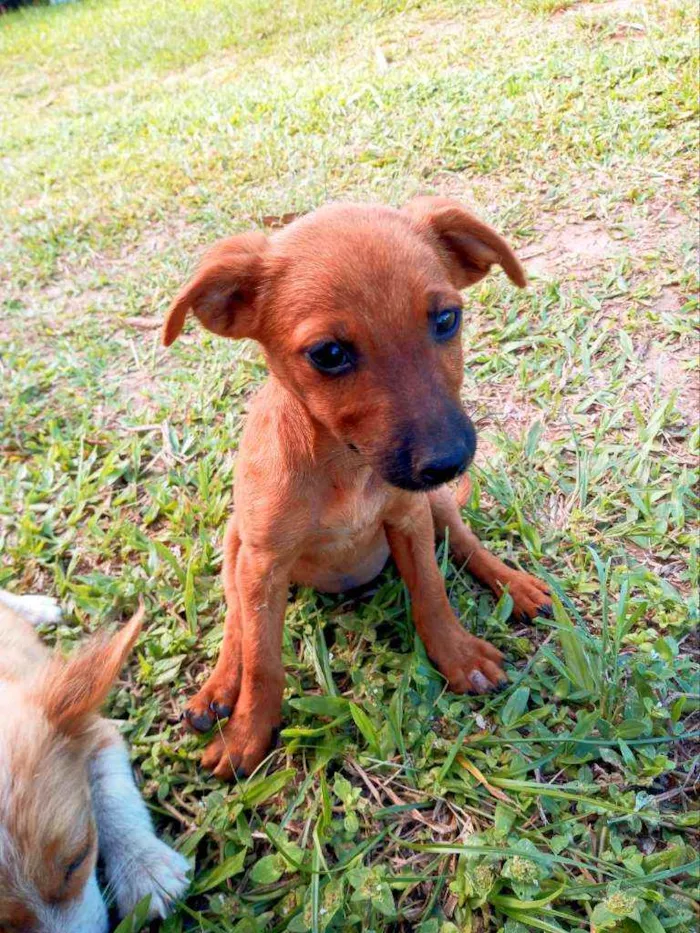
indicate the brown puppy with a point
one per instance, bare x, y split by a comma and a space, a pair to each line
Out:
348, 446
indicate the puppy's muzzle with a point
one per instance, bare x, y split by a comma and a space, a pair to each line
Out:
431, 455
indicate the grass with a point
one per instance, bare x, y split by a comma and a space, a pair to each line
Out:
132, 135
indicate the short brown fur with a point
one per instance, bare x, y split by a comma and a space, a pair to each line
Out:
328, 480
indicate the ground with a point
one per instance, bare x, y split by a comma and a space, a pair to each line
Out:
135, 133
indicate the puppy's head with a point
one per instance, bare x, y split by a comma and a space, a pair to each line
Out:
359, 311
48, 839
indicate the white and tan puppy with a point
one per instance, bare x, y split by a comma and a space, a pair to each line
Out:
67, 793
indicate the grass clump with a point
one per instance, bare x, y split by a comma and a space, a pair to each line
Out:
132, 135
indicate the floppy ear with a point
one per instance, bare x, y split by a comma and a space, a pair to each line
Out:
223, 291
467, 245
73, 690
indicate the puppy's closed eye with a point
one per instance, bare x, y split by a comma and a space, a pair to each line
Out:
78, 861
74, 872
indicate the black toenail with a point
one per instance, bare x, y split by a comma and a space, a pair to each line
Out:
241, 774
223, 710
275, 737
501, 686
201, 723
545, 611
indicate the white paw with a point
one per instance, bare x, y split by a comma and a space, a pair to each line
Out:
155, 869
37, 610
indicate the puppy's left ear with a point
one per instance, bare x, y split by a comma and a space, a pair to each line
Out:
73, 690
467, 246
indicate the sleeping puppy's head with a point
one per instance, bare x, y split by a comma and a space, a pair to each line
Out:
359, 311
49, 728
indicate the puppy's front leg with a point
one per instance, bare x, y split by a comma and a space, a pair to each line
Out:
529, 594
136, 862
262, 580
217, 697
469, 664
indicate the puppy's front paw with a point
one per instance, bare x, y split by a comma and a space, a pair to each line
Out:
530, 596
39, 610
240, 746
471, 665
153, 869
215, 700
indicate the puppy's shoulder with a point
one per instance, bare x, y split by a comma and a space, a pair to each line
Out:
278, 437
274, 497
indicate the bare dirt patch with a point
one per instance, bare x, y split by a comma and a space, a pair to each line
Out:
616, 19
669, 301
609, 8
669, 233
572, 247
482, 194
424, 35
160, 237
620, 19
503, 408
575, 247
137, 391
670, 370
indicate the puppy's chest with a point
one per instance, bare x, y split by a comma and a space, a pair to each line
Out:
355, 509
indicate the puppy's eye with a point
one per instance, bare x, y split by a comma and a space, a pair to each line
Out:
331, 358
77, 862
75, 865
445, 324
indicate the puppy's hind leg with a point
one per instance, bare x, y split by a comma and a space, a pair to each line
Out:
217, 697
34, 608
136, 862
529, 594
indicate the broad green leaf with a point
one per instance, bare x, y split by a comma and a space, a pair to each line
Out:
220, 873
502, 900
137, 919
649, 922
503, 819
515, 706
264, 788
342, 788
577, 657
321, 705
366, 728
268, 869
190, 596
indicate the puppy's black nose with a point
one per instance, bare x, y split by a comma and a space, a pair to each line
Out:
442, 470
430, 454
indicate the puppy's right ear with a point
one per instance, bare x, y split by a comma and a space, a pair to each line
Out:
223, 290
467, 246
